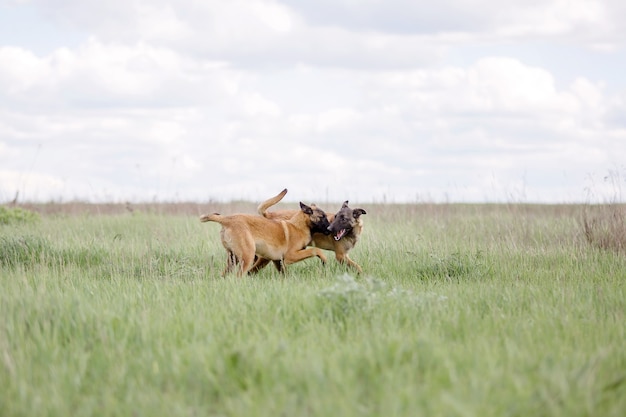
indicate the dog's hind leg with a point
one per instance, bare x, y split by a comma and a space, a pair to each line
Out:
245, 255
231, 262
247, 262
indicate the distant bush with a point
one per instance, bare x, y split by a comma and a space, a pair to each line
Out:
17, 215
605, 228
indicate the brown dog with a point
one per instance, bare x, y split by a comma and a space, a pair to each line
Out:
245, 235
345, 229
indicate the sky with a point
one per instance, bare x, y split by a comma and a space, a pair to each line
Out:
369, 101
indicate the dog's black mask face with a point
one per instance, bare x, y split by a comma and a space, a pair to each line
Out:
319, 221
317, 217
344, 221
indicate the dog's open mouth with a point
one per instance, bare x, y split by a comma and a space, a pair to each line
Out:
339, 234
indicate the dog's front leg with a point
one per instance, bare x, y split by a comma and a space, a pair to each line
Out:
344, 259
259, 264
279, 266
302, 254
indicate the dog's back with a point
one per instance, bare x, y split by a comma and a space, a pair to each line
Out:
245, 235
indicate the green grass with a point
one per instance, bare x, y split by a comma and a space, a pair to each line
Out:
17, 215
462, 310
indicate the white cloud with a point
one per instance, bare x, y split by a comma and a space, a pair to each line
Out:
338, 119
557, 17
240, 99
161, 23
19, 69
490, 85
274, 15
256, 105
591, 22
31, 185
100, 74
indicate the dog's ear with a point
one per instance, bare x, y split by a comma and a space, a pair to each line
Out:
356, 213
345, 204
305, 208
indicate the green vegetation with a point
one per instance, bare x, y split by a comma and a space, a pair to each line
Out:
14, 215
468, 310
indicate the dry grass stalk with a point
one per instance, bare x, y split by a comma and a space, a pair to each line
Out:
605, 228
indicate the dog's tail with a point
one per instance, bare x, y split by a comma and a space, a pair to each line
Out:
213, 217
262, 208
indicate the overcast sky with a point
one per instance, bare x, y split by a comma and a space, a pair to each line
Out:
370, 100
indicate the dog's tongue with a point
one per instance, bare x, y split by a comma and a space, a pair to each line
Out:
340, 234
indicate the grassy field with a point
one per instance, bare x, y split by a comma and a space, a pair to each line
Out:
463, 310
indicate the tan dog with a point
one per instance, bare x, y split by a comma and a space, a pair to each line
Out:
246, 235
345, 229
